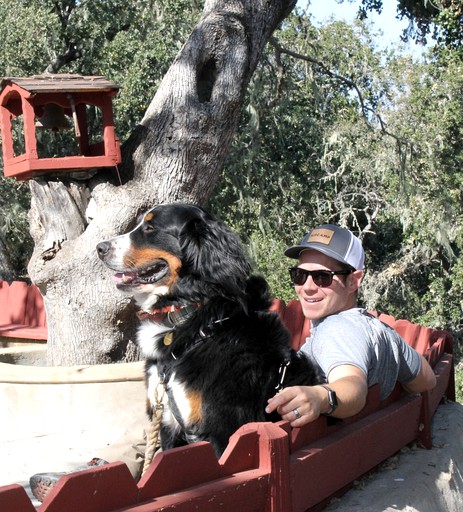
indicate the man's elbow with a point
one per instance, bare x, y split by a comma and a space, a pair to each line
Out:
432, 381
424, 382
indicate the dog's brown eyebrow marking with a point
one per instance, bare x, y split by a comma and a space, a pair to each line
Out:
148, 217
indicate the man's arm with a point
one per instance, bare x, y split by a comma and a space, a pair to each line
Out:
349, 383
351, 387
424, 381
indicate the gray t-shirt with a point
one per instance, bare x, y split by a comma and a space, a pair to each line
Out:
357, 338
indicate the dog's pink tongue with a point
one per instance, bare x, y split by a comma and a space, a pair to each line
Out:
125, 277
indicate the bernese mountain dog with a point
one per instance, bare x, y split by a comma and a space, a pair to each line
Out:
206, 330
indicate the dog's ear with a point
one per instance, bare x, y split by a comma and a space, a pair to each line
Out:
215, 254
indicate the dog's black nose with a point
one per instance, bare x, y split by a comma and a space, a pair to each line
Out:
103, 248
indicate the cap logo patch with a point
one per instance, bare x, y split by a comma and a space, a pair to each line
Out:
321, 236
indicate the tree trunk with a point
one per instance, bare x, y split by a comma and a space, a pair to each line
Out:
175, 154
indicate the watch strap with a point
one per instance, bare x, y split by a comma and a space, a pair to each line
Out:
332, 399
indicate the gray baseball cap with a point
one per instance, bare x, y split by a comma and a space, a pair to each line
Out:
334, 241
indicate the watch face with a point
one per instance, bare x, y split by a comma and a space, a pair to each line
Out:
332, 399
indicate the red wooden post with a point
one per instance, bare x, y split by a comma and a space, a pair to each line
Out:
6, 127
4, 293
242, 452
296, 323
13, 498
177, 469
274, 458
110, 148
17, 300
101, 489
30, 139
387, 319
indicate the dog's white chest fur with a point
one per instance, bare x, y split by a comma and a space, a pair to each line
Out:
176, 392
149, 335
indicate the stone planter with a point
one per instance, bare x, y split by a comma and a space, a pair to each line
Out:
56, 417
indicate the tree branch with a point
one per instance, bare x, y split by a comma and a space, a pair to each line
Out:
402, 143
324, 69
63, 10
350, 83
73, 53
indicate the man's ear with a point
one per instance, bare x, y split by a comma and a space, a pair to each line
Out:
355, 280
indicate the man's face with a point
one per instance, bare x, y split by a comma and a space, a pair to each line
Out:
317, 302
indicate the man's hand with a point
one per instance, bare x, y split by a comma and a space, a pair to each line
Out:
302, 404
308, 401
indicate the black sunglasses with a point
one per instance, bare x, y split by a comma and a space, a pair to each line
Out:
322, 278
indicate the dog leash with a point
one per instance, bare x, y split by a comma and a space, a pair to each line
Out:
153, 439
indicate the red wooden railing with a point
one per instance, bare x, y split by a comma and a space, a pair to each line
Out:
266, 466
22, 312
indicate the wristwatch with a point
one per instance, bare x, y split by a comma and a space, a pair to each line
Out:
332, 400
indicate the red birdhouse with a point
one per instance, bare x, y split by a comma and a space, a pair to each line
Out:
54, 124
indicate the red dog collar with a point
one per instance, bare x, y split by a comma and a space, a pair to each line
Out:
176, 314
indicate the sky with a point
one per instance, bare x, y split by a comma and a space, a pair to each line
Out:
392, 28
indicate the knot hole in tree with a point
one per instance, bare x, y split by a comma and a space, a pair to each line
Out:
207, 76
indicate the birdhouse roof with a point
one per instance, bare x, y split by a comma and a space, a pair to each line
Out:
61, 83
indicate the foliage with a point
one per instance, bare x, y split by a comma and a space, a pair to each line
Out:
14, 225
27, 31
442, 19
334, 130
303, 152
139, 56
131, 43
450, 23
459, 383
431, 110
372, 142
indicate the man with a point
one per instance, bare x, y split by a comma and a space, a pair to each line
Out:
352, 348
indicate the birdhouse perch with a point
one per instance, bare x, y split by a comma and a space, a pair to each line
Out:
54, 124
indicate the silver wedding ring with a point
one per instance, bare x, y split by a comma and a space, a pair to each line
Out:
297, 413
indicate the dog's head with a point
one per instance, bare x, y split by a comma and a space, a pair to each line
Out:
177, 253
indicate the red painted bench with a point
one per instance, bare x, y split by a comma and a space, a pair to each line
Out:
22, 312
266, 466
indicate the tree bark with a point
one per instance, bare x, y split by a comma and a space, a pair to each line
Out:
175, 154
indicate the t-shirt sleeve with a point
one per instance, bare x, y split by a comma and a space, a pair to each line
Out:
366, 343
337, 345
409, 362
